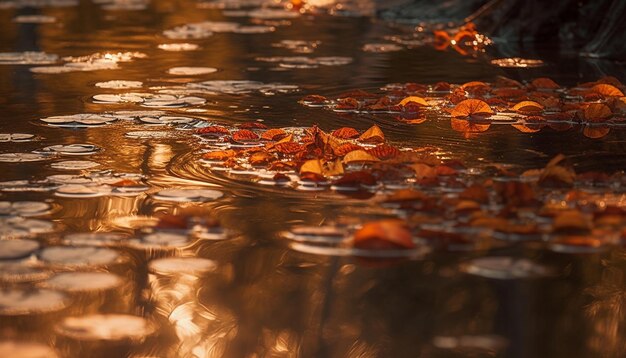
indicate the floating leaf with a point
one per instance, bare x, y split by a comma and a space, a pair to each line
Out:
243, 135
528, 106
607, 90
373, 135
471, 107
414, 100
545, 83
384, 235
345, 133
359, 156
597, 112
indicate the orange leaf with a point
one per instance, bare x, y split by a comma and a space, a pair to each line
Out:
373, 135
423, 171
597, 112
244, 135
289, 148
469, 126
607, 90
384, 235
413, 99
274, 134
528, 106
471, 107
345, 148
359, 156
441, 40
125, 183
219, 155
595, 132
384, 152
571, 221
545, 83
252, 125
213, 131
345, 133
260, 158
314, 166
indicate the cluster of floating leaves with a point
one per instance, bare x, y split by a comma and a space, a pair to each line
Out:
474, 106
443, 204
93, 62
306, 62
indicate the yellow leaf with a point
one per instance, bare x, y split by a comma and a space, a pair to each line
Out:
359, 156
528, 106
373, 135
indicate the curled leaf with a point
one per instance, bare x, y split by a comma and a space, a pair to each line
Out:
545, 83
415, 100
373, 135
274, 134
528, 106
607, 90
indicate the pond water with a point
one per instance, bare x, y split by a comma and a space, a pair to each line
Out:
120, 238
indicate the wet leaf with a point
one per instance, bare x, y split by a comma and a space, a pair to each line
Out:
359, 156
597, 112
384, 235
419, 101
373, 135
607, 90
528, 106
544, 83
471, 107
345, 133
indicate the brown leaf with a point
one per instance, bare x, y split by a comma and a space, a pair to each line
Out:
384, 152
544, 83
274, 134
244, 135
597, 112
419, 101
213, 131
345, 133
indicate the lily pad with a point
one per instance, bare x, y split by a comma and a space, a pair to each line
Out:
187, 195
191, 71
17, 302
105, 327
78, 256
17, 249
182, 265
83, 281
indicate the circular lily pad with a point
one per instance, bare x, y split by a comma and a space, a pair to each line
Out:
16, 302
25, 350
182, 265
178, 47
21, 272
83, 281
186, 195
17, 249
74, 165
24, 157
191, 71
78, 256
106, 327
97, 239
16, 137
161, 241
119, 84
71, 149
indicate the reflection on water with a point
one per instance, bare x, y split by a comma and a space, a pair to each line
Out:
118, 240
